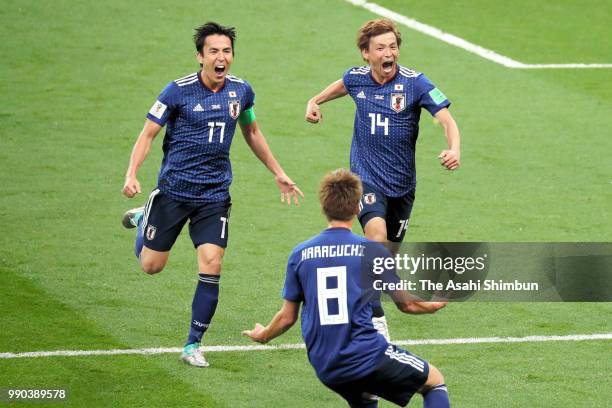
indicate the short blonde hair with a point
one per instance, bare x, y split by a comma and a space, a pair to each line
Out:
373, 28
339, 195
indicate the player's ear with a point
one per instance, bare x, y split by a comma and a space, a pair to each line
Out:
200, 58
364, 54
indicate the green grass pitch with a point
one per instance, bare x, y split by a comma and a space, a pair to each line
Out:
77, 78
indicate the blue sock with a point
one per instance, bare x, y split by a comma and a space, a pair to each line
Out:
139, 239
437, 397
203, 306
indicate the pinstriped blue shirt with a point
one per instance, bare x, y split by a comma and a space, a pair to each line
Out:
386, 126
200, 126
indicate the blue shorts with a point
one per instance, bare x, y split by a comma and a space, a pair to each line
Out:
394, 210
396, 378
165, 217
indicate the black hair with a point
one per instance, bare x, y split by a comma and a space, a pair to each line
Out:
212, 28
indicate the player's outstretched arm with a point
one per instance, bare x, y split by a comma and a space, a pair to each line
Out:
257, 142
422, 307
131, 187
280, 323
449, 158
411, 304
333, 91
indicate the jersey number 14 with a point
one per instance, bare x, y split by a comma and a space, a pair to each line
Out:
377, 120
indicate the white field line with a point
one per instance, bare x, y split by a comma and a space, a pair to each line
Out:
164, 350
460, 42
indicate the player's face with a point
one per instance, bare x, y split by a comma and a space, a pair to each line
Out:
216, 58
382, 55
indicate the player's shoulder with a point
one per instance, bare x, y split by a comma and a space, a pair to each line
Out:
186, 81
408, 73
357, 75
235, 82
335, 236
235, 79
358, 71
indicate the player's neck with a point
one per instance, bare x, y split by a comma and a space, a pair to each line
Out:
382, 79
213, 86
341, 224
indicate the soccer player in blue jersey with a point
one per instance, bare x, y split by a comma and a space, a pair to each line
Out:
326, 276
200, 112
388, 99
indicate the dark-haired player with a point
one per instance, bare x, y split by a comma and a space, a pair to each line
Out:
200, 112
327, 275
388, 99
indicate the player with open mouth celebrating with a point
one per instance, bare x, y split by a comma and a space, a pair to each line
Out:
200, 112
388, 99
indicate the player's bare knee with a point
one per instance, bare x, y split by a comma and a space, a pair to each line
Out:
211, 264
376, 230
151, 267
376, 234
434, 378
210, 258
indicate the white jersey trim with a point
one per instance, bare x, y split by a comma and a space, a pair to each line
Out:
193, 81
186, 77
360, 70
403, 358
408, 73
234, 78
186, 80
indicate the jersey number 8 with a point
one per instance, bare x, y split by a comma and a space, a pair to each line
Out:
337, 293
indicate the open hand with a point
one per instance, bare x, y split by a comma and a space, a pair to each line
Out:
256, 334
288, 189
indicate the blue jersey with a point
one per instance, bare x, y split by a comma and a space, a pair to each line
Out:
199, 132
387, 126
325, 273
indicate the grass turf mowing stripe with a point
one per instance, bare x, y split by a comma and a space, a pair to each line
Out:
464, 44
164, 350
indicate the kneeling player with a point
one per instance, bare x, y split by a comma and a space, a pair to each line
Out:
348, 354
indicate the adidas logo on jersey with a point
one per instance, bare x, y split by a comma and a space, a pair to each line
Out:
198, 108
361, 95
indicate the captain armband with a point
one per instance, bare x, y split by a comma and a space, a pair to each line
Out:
247, 117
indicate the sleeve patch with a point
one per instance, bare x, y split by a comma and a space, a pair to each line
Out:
437, 96
158, 109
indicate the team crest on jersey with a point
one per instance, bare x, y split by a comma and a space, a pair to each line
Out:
369, 198
234, 109
398, 101
151, 230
